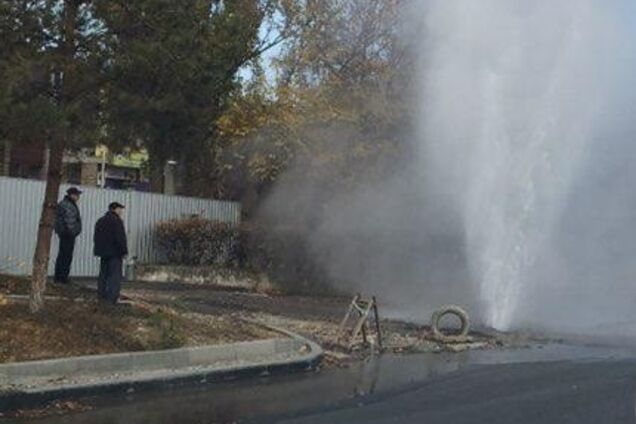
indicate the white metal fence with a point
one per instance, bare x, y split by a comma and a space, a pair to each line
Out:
20, 208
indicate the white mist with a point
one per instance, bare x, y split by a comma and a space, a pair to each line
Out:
527, 127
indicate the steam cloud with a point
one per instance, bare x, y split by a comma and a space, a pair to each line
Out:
519, 202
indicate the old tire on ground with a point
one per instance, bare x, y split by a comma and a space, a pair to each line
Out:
450, 310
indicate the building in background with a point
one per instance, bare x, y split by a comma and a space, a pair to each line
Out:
88, 167
102, 168
24, 161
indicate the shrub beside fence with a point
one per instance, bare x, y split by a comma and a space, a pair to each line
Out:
280, 253
198, 242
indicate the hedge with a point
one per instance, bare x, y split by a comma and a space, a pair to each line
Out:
281, 253
197, 241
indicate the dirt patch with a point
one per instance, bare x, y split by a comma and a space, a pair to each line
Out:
309, 308
316, 318
74, 323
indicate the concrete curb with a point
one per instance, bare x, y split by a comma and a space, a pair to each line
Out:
33, 384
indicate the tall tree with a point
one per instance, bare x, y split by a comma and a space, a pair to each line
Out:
52, 66
174, 69
337, 109
150, 72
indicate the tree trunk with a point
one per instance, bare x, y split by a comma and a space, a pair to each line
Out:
45, 228
45, 159
56, 157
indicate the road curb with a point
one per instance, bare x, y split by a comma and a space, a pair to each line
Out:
158, 370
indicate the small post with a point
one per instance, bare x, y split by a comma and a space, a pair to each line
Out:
377, 322
102, 180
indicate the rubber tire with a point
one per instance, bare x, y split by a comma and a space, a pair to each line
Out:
450, 310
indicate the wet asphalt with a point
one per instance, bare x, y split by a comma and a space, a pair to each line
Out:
556, 383
564, 392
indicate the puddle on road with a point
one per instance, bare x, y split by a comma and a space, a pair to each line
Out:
243, 400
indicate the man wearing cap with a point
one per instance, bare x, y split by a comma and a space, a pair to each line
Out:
111, 247
68, 225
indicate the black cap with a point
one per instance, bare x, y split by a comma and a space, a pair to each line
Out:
116, 205
73, 190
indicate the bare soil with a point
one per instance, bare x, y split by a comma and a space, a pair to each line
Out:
315, 317
74, 323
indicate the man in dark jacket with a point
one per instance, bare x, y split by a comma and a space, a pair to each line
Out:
68, 225
112, 248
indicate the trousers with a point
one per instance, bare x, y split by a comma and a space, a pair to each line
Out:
64, 259
110, 278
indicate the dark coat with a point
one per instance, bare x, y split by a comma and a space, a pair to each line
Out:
68, 221
110, 237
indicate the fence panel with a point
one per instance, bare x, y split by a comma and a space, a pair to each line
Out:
21, 202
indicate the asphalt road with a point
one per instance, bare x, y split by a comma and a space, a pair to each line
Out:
579, 392
544, 384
